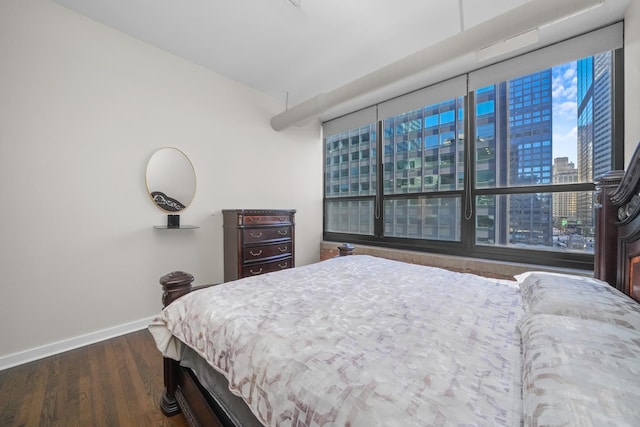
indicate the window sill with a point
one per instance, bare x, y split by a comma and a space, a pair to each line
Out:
481, 267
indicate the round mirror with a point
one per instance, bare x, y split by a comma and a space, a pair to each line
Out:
171, 180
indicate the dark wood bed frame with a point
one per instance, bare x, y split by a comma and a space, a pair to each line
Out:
616, 261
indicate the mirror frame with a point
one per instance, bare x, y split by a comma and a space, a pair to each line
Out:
170, 179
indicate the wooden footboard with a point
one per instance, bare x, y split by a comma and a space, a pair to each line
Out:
191, 398
181, 392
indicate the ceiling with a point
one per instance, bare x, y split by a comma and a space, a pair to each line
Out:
293, 53
275, 47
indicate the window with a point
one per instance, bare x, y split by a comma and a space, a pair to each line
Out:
557, 150
517, 183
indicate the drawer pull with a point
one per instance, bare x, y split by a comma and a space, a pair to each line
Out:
283, 232
255, 236
283, 265
252, 219
256, 253
255, 272
282, 249
282, 218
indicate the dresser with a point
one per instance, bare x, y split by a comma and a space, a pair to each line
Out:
257, 241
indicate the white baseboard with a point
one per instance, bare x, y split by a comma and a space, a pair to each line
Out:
30, 355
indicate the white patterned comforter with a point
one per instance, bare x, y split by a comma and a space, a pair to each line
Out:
359, 341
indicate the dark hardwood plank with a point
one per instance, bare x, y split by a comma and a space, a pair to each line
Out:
117, 371
100, 406
36, 386
11, 387
117, 382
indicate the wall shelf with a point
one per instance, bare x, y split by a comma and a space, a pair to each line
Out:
181, 227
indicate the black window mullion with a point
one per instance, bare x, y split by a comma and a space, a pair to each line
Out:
468, 218
378, 216
617, 154
427, 194
547, 188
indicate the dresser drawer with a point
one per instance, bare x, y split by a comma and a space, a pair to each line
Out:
267, 267
256, 235
266, 219
257, 253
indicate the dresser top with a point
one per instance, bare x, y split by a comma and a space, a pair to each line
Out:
260, 211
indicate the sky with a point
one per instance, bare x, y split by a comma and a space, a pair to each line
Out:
565, 111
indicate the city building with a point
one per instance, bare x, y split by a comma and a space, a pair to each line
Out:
564, 204
594, 129
530, 157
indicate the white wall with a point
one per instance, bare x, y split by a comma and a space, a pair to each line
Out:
632, 78
82, 108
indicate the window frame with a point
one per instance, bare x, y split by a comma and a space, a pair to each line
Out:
467, 246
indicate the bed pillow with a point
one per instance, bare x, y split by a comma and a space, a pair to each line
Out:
577, 296
579, 372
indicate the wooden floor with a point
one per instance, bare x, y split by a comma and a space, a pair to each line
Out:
117, 382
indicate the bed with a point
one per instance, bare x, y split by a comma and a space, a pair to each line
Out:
427, 347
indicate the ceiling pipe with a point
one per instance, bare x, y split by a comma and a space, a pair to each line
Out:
527, 17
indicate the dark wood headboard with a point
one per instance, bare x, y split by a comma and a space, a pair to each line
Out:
617, 248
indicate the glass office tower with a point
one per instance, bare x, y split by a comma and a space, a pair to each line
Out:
530, 157
514, 128
594, 129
